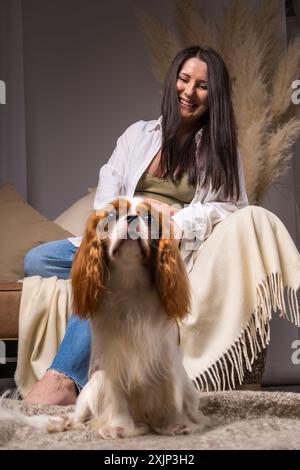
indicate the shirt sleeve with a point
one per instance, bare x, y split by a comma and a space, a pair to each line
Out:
111, 174
198, 219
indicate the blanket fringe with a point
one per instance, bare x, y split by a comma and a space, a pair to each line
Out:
255, 336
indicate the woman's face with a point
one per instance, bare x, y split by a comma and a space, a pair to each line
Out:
192, 90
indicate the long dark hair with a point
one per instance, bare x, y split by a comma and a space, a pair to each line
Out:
214, 161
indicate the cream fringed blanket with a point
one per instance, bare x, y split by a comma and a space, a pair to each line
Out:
247, 268
44, 313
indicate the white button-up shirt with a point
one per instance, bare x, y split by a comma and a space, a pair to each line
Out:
135, 150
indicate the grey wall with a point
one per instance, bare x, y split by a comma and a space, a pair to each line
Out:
13, 163
87, 77
284, 200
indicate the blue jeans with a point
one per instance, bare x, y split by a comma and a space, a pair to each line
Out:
72, 359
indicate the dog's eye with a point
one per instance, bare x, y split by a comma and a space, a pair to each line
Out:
149, 219
108, 223
111, 217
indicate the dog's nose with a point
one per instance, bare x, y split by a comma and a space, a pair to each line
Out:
130, 218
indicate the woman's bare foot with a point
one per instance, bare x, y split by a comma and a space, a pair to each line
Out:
54, 388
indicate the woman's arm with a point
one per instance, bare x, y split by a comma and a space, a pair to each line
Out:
198, 219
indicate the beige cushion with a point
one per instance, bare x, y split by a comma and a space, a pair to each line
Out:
74, 218
21, 229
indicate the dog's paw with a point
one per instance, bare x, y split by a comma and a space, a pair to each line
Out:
112, 432
183, 427
115, 432
59, 424
175, 429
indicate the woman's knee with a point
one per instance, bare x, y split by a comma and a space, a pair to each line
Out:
34, 262
50, 259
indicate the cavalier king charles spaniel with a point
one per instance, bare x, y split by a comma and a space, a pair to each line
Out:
129, 280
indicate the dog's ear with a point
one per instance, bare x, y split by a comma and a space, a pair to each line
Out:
88, 271
172, 280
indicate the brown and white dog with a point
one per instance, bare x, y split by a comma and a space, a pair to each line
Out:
129, 279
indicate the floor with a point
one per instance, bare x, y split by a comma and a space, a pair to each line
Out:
9, 384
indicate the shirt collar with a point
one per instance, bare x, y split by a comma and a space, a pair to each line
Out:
156, 125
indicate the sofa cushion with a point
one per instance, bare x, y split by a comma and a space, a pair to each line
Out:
74, 218
22, 228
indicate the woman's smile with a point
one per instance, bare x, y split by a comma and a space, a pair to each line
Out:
187, 104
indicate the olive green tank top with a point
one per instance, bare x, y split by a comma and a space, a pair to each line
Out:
165, 190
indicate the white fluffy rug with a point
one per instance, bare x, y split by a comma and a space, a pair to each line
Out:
242, 420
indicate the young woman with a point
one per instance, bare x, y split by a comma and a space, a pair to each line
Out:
186, 162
